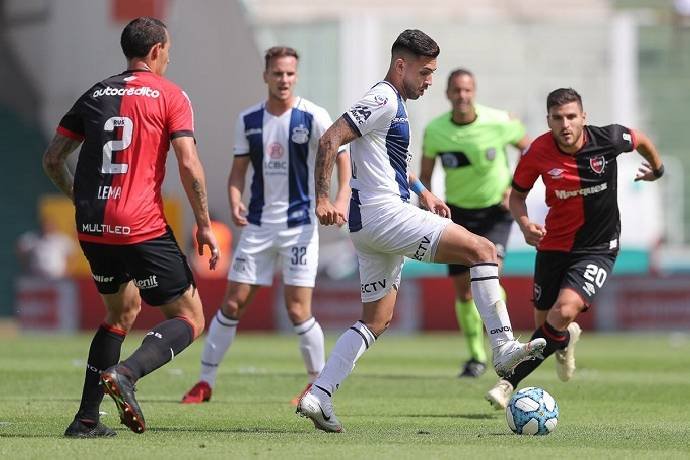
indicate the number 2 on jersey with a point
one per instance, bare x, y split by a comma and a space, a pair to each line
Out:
127, 126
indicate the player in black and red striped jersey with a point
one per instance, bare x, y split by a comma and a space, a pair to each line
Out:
578, 244
125, 125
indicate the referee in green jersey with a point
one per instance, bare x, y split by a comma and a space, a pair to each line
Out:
471, 141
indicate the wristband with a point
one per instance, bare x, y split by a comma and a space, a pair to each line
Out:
417, 187
658, 172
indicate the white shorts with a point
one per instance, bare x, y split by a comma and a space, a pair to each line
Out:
398, 231
255, 257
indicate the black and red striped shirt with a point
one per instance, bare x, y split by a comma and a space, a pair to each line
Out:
126, 123
580, 188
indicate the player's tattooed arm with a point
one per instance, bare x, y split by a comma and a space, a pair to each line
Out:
54, 163
194, 183
340, 133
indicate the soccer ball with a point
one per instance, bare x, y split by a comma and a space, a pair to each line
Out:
532, 410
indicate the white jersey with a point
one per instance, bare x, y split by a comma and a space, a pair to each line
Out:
380, 156
282, 151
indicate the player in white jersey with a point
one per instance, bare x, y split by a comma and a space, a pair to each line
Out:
279, 138
385, 227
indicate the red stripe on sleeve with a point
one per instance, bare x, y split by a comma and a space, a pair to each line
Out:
67, 133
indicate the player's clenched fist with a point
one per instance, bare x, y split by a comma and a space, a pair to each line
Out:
328, 214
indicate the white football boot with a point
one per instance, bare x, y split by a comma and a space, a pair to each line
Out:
317, 405
499, 395
565, 359
512, 353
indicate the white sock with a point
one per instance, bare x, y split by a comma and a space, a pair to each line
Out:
486, 291
220, 335
311, 346
349, 347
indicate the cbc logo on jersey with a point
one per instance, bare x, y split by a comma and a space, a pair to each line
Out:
276, 164
300, 134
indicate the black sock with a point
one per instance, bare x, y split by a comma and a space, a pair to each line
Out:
161, 344
555, 340
104, 352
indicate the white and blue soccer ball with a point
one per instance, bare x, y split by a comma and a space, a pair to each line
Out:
532, 410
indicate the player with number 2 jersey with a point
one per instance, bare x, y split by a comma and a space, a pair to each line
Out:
126, 122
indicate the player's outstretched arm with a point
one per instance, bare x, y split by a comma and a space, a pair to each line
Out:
54, 163
240, 165
653, 168
533, 233
194, 183
340, 133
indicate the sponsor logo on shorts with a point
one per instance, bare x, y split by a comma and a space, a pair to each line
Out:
368, 288
240, 265
102, 278
423, 247
565, 194
147, 283
142, 91
105, 228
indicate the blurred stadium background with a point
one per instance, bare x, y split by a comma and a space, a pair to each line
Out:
630, 59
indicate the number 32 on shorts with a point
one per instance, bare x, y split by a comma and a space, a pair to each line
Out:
594, 276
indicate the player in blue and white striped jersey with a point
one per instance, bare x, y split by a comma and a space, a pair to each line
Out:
279, 139
385, 227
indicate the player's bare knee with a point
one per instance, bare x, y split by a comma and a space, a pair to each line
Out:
481, 250
231, 308
298, 314
562, 314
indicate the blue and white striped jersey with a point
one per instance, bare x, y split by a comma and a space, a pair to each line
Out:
380, 156
282, 151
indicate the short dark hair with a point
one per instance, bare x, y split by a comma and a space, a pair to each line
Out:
415, 42
279, 51
140, 35
562, 96
459, 72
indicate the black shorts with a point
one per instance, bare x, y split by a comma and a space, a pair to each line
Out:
493, 223
586, 274
157, 266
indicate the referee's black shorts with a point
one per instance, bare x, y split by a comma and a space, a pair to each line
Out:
493, 223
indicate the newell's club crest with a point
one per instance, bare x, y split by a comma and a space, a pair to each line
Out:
597, 164
300, 134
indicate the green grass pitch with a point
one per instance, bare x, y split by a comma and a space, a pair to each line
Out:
630, 398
